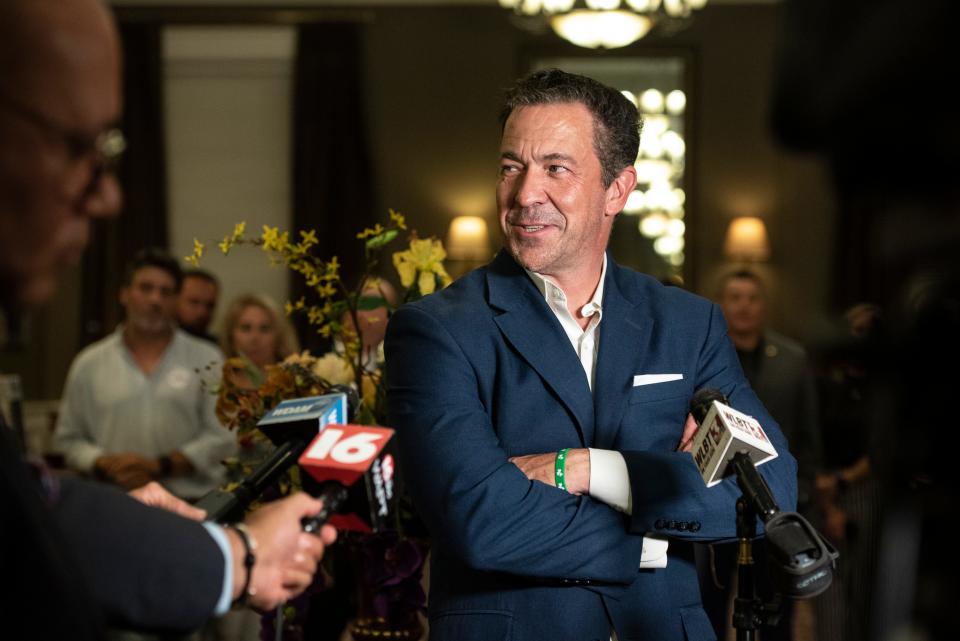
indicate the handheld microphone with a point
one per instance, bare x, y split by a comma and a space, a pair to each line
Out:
729, 442
290, 426
354, 468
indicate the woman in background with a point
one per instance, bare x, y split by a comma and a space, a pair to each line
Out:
253, 327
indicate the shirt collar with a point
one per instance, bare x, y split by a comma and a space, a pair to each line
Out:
551, 291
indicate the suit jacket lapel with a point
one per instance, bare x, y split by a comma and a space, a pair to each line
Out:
528, 324
625, 335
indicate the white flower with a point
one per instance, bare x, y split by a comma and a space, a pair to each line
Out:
333, 369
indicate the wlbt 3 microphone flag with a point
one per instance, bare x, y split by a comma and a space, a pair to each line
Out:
728, 443
723, 433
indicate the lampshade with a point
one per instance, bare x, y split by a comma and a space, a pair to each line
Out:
747, 239
468, 239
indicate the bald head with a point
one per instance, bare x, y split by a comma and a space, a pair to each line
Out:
59, 84
45, 39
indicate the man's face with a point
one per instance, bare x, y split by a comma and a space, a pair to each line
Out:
150, 300
195, 304
66, 90
555, 213
743, 306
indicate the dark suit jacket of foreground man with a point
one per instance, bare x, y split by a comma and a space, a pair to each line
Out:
482, 371
84, 544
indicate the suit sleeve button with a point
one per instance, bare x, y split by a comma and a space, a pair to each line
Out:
682, 526
695, 526
660, 524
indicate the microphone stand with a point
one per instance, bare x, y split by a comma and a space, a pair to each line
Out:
747, 607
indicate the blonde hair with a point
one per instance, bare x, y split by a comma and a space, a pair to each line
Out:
286, 343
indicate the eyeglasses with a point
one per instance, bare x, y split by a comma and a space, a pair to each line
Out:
106, 148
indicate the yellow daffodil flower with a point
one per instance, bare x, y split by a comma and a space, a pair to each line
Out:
425, 257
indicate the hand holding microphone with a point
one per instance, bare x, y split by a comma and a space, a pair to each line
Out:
274, 560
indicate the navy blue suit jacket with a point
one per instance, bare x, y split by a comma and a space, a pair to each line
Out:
482, 371
89, 554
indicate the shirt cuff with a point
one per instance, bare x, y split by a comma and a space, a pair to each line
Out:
609, 479
218, 535
654, 553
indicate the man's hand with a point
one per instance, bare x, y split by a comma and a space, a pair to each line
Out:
287, 556
127, 470
541, 467
689, 431
155, 495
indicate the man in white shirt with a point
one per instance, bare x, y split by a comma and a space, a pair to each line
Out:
136, 406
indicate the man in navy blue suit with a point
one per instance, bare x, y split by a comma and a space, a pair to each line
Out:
541, 402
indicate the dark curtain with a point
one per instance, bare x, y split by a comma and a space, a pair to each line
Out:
142, 176
332, 181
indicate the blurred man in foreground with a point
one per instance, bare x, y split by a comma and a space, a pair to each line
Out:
73, 554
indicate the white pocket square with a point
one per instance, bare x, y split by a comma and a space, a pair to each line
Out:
650, 379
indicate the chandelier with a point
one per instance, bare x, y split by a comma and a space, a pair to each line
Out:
603, 23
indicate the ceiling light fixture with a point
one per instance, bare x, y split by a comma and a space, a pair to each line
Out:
603, 23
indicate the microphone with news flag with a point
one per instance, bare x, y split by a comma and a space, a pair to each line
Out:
731, 443
290, 426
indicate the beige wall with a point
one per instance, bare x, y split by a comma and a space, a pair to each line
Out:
227, 93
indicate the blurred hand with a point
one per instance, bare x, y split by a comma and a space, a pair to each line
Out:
834, 523
155, 495
127, 470
287, 557
689, 431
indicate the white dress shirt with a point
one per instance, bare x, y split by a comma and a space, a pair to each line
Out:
609, 478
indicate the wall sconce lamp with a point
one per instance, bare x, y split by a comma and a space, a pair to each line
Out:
747, 240
468, 239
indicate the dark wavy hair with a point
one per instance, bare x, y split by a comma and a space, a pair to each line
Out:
153, 257
616, 123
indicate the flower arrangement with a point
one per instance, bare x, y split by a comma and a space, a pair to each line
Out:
421, 272
391, 563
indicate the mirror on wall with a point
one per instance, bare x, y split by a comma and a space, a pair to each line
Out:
650, 234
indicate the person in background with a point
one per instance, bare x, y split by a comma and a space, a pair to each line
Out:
780, 373
197, 303
76, 555
253, 327
847, 492
373, 322
135, 405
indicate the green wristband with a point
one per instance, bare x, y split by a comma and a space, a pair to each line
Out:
559, 468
